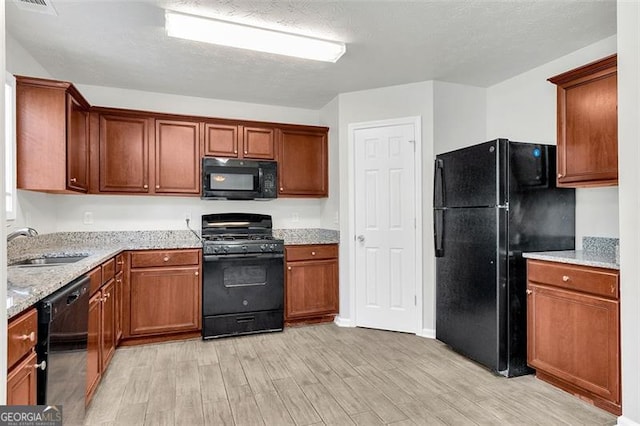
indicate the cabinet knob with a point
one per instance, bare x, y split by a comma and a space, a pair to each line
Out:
41, 366
119, 281
529, 292
565, 278
246, 152
145, 186
31, 336
288, 268
73, 180
120, 263
281, 189
313, 253
166, 258
157, 186
560, 175
197, 273
235, 151
613, 290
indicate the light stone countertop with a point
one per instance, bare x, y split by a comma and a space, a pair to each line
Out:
28, 285
599, 252
577, 257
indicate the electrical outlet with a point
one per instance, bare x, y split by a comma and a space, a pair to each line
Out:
88, 218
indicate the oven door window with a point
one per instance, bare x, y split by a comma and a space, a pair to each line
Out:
245, 276
233, 179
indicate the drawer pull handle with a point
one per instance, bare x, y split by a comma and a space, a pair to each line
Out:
31, 336
41, 366
565, 278
529, 292
166, 258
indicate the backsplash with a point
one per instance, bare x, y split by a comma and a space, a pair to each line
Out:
602, 245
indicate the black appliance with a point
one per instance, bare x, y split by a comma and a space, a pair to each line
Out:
492, 202
231, 179
63, 320
242, 275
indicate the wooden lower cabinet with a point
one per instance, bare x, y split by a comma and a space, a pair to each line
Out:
102, 330
311, 283
573, 334
22, 335
22, 382
164, 292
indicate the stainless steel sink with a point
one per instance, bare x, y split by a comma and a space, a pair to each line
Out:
48, 261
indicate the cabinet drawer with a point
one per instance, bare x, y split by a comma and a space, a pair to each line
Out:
144, 259
119, 262
108, 270
310, 252
601, 282
22, 336
95, 280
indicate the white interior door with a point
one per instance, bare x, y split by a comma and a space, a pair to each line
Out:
385, 226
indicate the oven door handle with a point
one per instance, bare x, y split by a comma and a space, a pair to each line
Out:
212, 258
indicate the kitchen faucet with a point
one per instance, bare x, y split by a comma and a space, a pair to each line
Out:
24, 232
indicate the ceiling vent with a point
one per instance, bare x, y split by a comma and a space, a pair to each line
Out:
41, 6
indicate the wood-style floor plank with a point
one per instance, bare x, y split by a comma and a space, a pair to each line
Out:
322, 375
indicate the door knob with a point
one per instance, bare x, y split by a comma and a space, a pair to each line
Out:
360, 238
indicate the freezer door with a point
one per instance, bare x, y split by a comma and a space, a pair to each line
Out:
471, 177
471, 285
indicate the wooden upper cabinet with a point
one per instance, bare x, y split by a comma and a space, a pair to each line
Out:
177, 157
303, 162
220, 140
237, 140
52, 136
124, 153
258, 142
588, 125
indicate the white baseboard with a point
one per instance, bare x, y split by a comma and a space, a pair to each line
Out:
343, 322
429, 333
624, 421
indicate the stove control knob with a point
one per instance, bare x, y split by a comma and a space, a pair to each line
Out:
264, 247
225, 249
244, 248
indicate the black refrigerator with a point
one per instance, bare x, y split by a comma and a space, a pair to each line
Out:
492, 202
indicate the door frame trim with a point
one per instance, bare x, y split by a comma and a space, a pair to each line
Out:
416, 121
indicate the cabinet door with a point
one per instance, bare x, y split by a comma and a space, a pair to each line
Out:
220, 140
93, 345
302, 163
77, 145
164, 300
108, 323
177, 157
119, 291
124, 154
258, 142
311, 288
575, 338
588, 125
21, 383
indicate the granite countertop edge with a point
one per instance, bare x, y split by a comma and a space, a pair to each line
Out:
27, 286
577, 257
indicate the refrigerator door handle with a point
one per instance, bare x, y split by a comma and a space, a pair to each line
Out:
438, 231
438, 183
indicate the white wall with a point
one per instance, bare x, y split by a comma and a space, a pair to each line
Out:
629, 158
523, 108
459, 116
373, 105
329, 116
3, 231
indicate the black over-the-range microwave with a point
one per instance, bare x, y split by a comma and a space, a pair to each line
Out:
233, 179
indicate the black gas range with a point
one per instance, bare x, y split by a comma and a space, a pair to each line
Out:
243, 275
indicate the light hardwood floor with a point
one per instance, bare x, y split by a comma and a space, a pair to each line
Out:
322, 374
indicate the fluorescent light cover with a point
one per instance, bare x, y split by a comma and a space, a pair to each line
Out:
246, 37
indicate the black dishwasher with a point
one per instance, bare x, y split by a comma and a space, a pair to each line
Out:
62, 349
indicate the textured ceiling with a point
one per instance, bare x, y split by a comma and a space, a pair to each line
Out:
475, 42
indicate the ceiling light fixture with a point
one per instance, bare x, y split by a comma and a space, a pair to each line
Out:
253, 38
